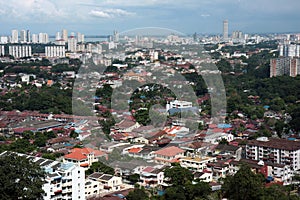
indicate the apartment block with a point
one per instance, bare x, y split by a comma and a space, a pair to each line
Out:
57, 51
280, 151
65, 181
19, 51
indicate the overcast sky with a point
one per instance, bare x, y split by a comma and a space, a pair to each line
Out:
187, 16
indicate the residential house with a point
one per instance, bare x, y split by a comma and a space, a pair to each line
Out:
168, 155
84, 157
110, 183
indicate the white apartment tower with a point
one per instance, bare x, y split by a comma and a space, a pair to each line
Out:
63, 181
14, 36
35, 38
72, 44
65, 35
43, 38
23, 36
28, 35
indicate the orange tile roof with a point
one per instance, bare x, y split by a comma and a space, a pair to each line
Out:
76, 156
169, 151
135, 150
81, 153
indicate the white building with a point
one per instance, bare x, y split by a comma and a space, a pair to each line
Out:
64, 181
35, 38
65, 35
275, 150
108, 182
43, 38
19, 51
196, 163
3, 39
14, 36
55, 51
72, 44
178, 104
23, 36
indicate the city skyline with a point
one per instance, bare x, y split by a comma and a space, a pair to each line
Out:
188, 16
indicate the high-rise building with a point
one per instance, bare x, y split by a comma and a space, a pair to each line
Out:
289, 50
116, 36
55, 51
3, 39
23, 36
57, 36
14, 36
294, 67
28, 34
284, 66
65, 35
20, 51
43, 38
72, 44
2, 50
35, 38
225, 30
62, 181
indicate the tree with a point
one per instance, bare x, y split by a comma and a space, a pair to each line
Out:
178, 175
137, 194
100, 167
244, 185
20, 178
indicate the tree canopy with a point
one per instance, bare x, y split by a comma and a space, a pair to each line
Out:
20, 178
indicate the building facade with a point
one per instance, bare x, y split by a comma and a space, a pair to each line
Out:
280, 151
19, 51
57, 51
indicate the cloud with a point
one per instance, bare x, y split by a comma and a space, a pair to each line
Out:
205, 15
110, 13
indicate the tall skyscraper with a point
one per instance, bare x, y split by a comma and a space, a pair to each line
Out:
14, 36
23, 36
35, 38
72, 44
65, 35
225, 29
28, 34
57, 36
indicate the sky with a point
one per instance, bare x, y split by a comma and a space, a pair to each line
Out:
100, 17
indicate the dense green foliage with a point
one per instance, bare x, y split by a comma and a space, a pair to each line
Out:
20, 178
100, 167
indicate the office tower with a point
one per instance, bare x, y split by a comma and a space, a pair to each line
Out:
14, 36
65, 35
56, 51
23, 37
35, 38
28, 34
72, 44
225, 30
